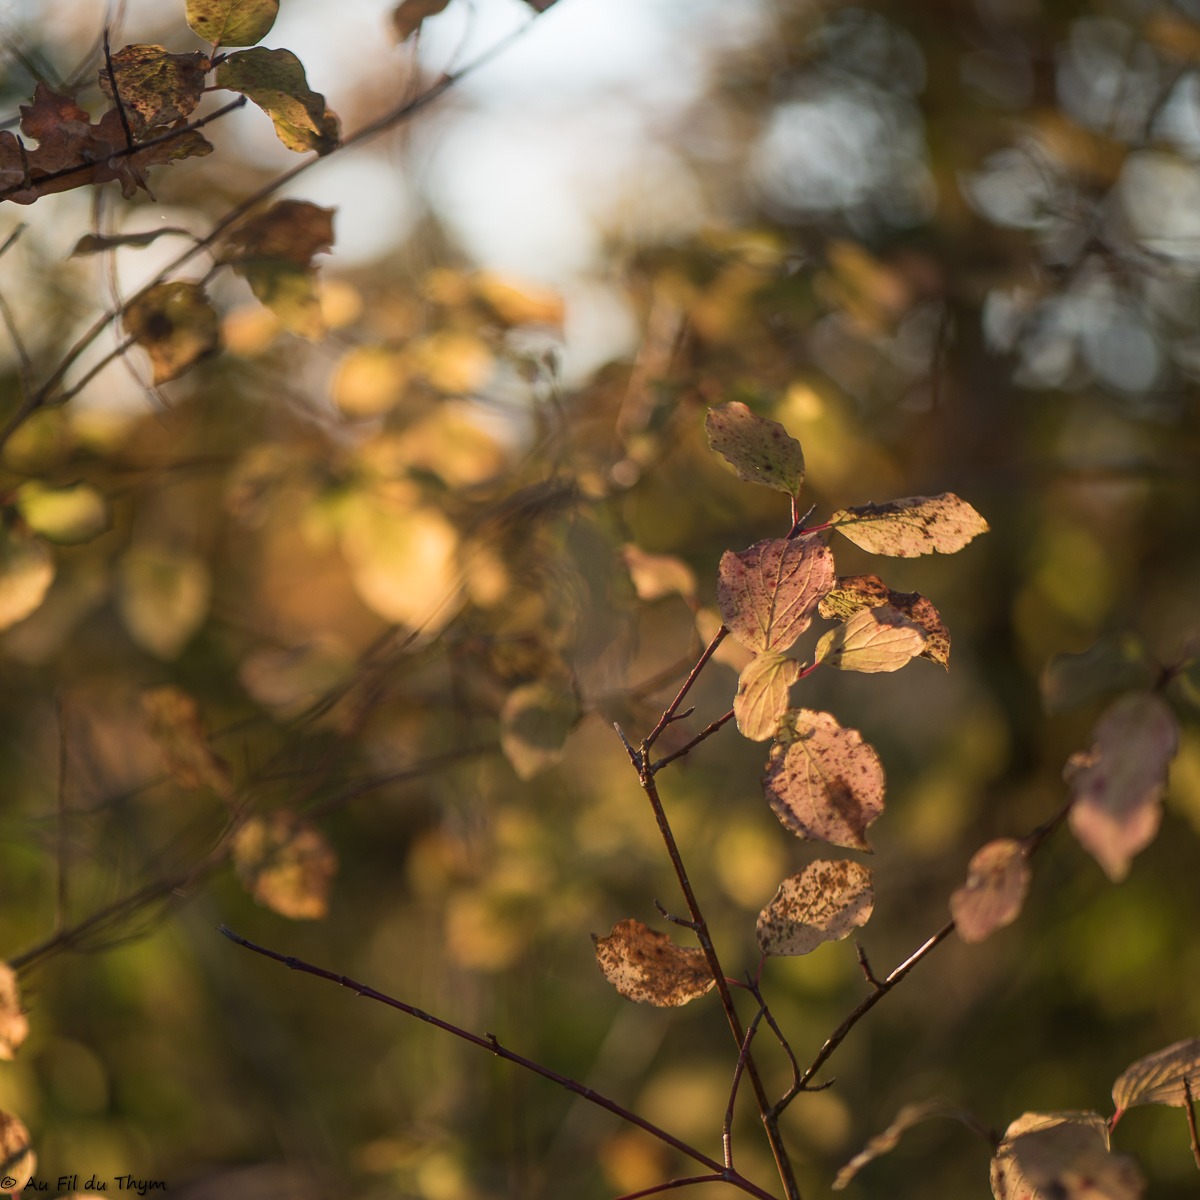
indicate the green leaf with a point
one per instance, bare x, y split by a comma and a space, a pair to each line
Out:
910, 527
647, 967
759, 450
873, 640
156, 88
823, 782
232, 22
26, 573
1116, 663
275, 81
768, 594
176, 326
997, 882
534, 724
1160, 1078
408, 15
824, 903
853, 593
67, 515
762, 695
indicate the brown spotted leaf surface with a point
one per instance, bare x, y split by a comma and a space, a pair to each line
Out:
646, 966
762, 695
759, 450
912, 526
157, 89
873, 640
1164, 1077
853, 593
13, 1023
827, 901
823, 781
768, 594
286, 864
176, 326
997, 882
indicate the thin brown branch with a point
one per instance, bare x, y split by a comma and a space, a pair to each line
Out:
681, 695
706, 732
743, 1053
1190, 1109
130, 145
670, 1185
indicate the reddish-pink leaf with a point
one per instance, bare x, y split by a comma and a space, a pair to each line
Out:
759, 450
762, 695
997, 881
823, 781
768, 594
853, 593
912, 526
1160, 1078
646, 966
824, 903
1117, 785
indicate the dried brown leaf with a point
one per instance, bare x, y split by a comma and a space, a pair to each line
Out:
408, 15
646, 966
824, 903
156, 88
176, 326
286, 864
853, 593
173, 721
912, 526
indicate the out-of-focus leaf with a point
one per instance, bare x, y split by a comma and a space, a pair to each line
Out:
454, 362
646, 966
534, 724
176, 326
408, 15
16, 1154
173, 721
658, 575
286, 865
1160, 1078
853, 593
1113, 664
912, 526
156, 88
759, 450
997, 882
762, 695
824, 782
26, 573
67, 515
232, 22
873, 640
518, 302
768, 594
824, 903
1062, 1156
14, 1025
885, 1142
288, 681
275, 81
163, 598
92, 243
369, 381
1117, 785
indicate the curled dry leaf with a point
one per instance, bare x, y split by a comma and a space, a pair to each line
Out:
26, 573
1117, 785
759, 450
232, 22
912, 526
823, 781
1160, 1078
824, 903
762, 695
286, 864
768, 594
157, 89
646, 966
1062, 1156
873, 640
997, 882
885, 1142
658, 575
176, 326
853, 593
534, 724
18, 1159
173, 721
13, 1024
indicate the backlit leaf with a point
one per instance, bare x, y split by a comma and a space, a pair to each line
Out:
873, 640
768, 594
518, 302
1159, 1078
658, 575
885, 1142
762, 695
275, 81
163, 598
408, 15
26, 573
173, 721
997, 882
1117, 785
290, 680
232, 22
176, 326
646, 966
823, 781
1113, 664
824, 903
156, 88
286, 865
67, 515
853, 593
534, 724
14, 1026
913, 526
369, 381
1062, 1156
19, 1161
759, 450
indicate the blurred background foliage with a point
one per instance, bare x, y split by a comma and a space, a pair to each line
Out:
950, 246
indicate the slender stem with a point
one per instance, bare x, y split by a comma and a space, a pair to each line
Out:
491, 1044
706, 732
130, 145
1190, 1109
671, 1184
693, 675
727, 1123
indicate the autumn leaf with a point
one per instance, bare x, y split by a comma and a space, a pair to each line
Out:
646, 966
824, 903
853, 593
1116, 663
1160, 1078
289, 680
873, 640
885, 1142
26, 573
67, 515
768, 594
823, 781
286, 864
913, 526
534, 724
658, 575
92, 243
14, 1026
173, 721
17, 1158
408, 15
176, 326
232, 22
163, 597
157, 89
762, 695
997, 882
759, 450
275, 81
1117, 785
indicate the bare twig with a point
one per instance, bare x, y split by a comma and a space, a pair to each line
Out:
116, 91
693, 675
706, 732
743, 1053
1190, 1109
